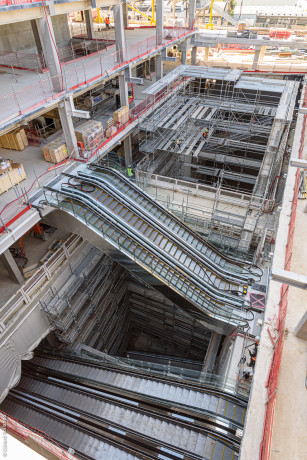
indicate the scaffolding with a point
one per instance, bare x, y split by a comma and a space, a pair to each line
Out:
218, 128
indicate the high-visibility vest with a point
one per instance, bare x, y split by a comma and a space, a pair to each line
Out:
129, 172
107, 20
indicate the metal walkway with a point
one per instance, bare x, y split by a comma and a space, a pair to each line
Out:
142, 229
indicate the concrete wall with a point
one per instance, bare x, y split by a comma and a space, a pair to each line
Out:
61, 28
19, 36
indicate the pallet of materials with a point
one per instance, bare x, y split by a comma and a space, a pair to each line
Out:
111, 129
90, 132
55, 151
12, 177
30, 271
46, 257
55, 245
15, 140
121, 115
5, 165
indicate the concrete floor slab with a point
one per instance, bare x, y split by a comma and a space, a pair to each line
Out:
23, 91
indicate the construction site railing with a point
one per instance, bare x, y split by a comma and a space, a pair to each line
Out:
282, 65
31, 288
279, 332
83, 49
23, 61
15, 208
80, 72
17, 2
25, 432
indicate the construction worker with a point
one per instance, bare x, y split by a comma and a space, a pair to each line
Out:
177, 142
253, 354
205, 133
107, 21
130, 173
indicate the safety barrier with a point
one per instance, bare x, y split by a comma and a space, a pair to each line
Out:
231, 59
16, 208
278, 338
17, 2
25, 432
83, 49
78, 73
95, 146
24, 61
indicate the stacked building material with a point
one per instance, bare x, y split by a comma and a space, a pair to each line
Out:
12, 176
121, 115
89, 133
55, 151
15, 140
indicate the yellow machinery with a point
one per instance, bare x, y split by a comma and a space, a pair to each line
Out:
99, 18
151, 19
210, 25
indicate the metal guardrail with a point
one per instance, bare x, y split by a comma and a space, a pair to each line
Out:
206, 379
30, 289
85, 70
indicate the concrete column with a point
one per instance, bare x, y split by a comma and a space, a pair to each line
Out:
159, 21
123, 90
193, 56
11, 267
36, 36
206, 54
68, 128
192, 9
301, 328
128, 151
125, 14
184, 53
119, 32
159, 66
258, 56
48, 44
89, 24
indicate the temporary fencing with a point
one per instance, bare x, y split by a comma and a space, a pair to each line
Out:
278, 337
24, 61
17, 2
25, 432
78, 73
16, 208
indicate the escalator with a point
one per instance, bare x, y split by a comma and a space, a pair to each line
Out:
190, 271
100, 411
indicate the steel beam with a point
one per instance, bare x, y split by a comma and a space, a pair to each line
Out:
298, 163
289, 278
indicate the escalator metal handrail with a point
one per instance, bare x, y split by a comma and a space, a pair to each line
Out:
212, 311
187, 228
84, 197
168, 233
149, 220
56, 374
65, 410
